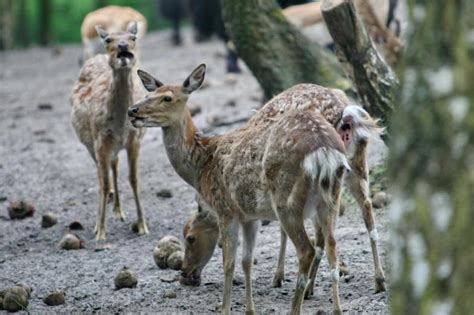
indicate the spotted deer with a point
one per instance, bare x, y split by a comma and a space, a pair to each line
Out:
100, 99
112, 19
288, 167
355, 127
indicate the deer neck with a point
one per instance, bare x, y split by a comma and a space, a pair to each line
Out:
186, 149
119, 99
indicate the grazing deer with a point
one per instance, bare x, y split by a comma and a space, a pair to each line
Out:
290, 167
113, 19
355, 127
100, 99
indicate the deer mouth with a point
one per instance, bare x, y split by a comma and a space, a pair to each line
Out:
125, 57
190, 279
137, 122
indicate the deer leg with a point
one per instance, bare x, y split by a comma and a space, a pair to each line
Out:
103, 166
229, 229
360, 190
331, 252
319, 250
294, 227
279, 276
249, 235
118, 211
133, 150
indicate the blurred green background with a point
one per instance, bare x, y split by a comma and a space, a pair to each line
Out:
65, 18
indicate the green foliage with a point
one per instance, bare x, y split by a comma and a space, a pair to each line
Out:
67, 16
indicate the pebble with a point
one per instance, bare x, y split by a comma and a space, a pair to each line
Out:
71, 242
164, 193
170, 294
76, 226
48, 220
15, 299
45, 106
55, 298
20, 209
380, 200
125, 279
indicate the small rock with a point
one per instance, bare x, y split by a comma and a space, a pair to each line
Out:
25, 286
76, 226
15, 299
380, 200
170, 294
71, 242
165, 247
55, 298
125, 279
20, 209
48, 220
164, 193
45, 106
169, 278
175, 260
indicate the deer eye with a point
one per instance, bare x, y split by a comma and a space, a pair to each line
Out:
190, 239
133, 38
108, 40
167, 99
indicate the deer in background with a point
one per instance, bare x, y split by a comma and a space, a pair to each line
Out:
355, 127
100, 99
290, 167
113, 19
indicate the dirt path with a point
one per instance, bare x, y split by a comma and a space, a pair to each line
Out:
43, 162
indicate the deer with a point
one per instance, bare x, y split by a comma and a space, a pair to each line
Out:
289, 167
113, 19
106, 87
355, 127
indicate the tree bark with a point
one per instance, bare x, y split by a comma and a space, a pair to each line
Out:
432, 158
44, 22
6, 24
375, 81
278, 55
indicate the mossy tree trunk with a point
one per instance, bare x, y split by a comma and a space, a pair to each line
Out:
432, 162
278, 55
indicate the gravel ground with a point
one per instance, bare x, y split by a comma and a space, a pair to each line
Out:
43, 163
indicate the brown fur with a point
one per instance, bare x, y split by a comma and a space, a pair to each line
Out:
332, 103
100, 99
288, 165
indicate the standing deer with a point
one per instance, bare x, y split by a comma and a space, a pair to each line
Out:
100, 100
290, 167
113, 19
355, 127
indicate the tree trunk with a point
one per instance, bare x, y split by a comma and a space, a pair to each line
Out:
44, 22
432, 158
375, 81
6, 24
278, 55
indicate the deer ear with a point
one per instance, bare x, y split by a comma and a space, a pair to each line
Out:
149, 82
132, 28
101, 32
195, 79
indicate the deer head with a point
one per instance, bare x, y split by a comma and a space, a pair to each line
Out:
201, 233
165, 105
120, 46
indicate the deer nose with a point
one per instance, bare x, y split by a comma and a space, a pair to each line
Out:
132, 111
123, 46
